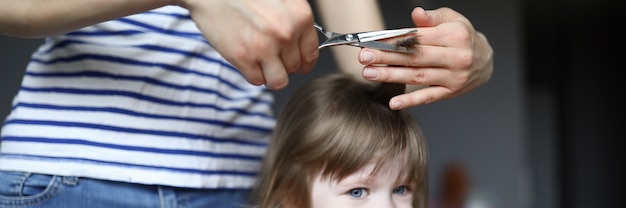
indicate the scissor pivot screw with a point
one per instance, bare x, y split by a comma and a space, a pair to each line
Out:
349, 37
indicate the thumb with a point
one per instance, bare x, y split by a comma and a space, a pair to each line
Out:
431, 18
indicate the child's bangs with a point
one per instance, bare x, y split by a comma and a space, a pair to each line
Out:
363, 137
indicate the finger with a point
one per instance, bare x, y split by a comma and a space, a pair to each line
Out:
419, 97
427, 56
430, 18
445, 35
420, 17
408, 75
443, 24
291, 57
309, 50
250, 70
306, 35
274, 73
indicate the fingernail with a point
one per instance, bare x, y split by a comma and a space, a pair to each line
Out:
369, 73
366, 57
420, 9
395, 104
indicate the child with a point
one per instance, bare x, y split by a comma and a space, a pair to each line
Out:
338, 144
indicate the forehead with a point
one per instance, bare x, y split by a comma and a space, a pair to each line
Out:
392, 171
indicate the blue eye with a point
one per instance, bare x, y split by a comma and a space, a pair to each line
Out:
357, 192
400, 190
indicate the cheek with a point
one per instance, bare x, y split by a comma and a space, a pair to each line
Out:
320, 194
405, 201
330, 200
325, 195
317, 199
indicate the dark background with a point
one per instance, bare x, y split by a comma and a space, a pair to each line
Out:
542, 133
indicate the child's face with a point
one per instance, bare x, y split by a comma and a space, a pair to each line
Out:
360, 189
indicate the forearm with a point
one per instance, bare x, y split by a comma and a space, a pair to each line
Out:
350, 16
33, 18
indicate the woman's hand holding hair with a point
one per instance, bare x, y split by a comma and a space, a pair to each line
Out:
452, 59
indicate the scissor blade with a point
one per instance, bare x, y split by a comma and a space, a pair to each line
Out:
384, 47
383, 34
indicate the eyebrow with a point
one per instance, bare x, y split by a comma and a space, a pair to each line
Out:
357, 180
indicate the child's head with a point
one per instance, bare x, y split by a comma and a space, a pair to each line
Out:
337, 140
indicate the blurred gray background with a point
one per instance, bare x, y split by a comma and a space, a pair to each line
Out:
541, 133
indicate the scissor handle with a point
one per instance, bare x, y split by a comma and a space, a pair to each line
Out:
321, 30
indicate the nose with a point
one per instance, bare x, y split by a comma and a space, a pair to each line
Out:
384, 202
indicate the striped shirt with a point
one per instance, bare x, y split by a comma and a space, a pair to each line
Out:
141, 99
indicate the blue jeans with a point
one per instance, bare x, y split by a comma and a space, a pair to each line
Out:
20, 189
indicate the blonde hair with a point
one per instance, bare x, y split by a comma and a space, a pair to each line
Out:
336, 125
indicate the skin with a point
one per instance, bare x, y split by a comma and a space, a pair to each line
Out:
276, 38
453, 59
36, 19
369, 18
362, 189
273, 37
280, 30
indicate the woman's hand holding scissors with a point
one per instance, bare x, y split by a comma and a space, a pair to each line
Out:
265, 39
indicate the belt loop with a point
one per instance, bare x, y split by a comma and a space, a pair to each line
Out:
70, 180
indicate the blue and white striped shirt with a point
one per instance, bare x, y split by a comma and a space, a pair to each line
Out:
141, 99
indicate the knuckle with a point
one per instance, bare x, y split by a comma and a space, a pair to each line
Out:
419, 76
278, 30
467, 31
302, 12
416, 59
383, 74
262, 48
429, 99
305, 14
462, 33
462, 76
239, 53
465, 59
285, 35
460, 80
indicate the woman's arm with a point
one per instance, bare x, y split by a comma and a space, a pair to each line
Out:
35, 19
274, 37
350, 16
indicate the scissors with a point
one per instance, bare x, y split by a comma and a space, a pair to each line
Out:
365, 39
